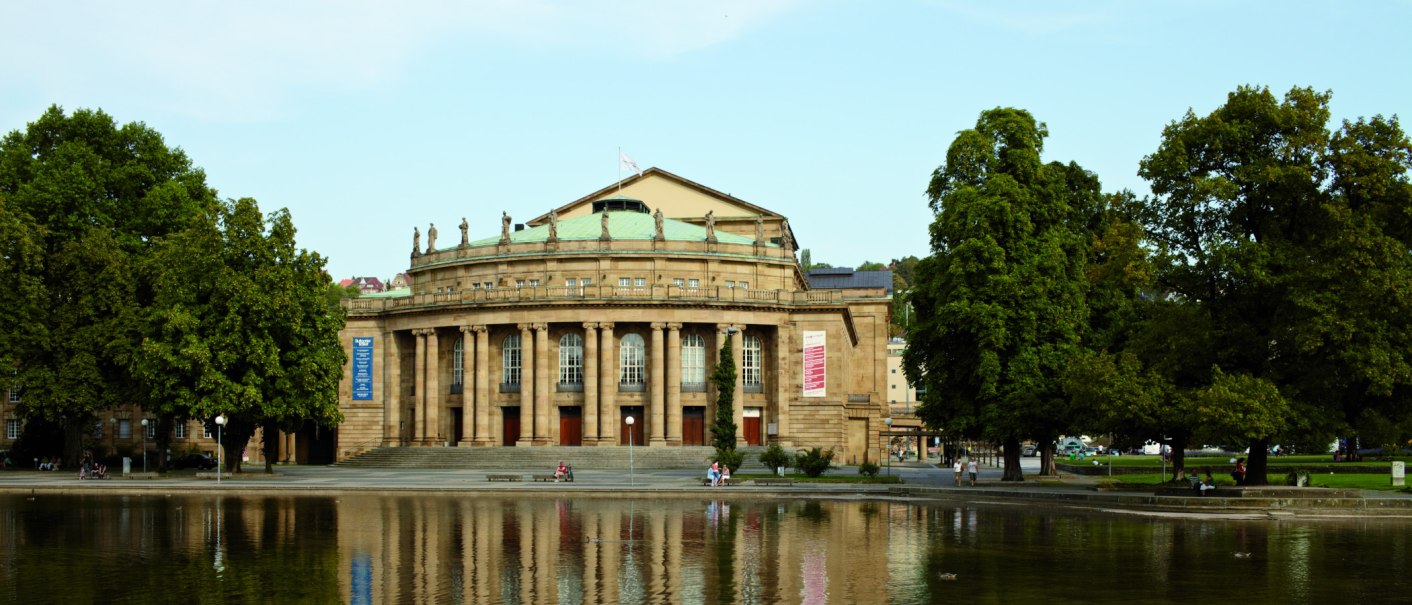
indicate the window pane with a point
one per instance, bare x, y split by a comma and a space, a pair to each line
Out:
124, 429
180, 432
750, 361
630, 359
624, 282
693, 359
510, 360
458, 356
571, 359
639, 282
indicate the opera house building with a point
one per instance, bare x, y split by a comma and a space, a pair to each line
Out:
555, 331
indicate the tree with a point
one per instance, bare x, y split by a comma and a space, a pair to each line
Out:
723, 430
999, 305
868, 265
1292, 241
96, 198
245, 329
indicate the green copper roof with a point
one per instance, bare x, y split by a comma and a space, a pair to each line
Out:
396, 293
621, 225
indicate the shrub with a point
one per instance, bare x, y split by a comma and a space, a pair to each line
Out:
813, 462
731, 459
868, 469
774, 457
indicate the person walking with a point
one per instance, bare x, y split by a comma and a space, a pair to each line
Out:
957, 467
971, 466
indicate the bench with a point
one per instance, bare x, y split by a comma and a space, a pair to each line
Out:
545, 478
774, 481
502, 477
705, 481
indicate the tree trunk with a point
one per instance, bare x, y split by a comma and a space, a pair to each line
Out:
1047, 468
163, 441
1256, 466
73, 443
1013, 472
235, 436
1179, 459
269, 446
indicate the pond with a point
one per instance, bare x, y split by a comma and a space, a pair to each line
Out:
367, 549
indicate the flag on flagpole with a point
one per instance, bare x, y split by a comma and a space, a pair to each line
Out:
626, 163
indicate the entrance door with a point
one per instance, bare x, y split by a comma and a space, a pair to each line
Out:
636, 430
693, 425
511, 434
752, 426
456, 425
571, 425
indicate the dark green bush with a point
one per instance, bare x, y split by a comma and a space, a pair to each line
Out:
868, 469
731, 459
813, 462
774, 457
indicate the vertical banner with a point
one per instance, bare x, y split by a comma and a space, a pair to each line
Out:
815, 364
363, 368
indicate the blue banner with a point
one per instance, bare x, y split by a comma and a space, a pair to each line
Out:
363, 368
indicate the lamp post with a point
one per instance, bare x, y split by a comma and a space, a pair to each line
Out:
144, 445
888, 440
631, 480
220, 451
113, 435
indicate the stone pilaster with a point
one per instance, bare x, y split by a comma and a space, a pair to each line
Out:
656, 381
483, 387
607, 385
434, 435
782, 385
468, 392
526, 384
391, 390
738, 350
674, 384
590, 383
419, 373
542, 378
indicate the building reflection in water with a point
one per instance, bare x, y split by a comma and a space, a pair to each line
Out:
469, 549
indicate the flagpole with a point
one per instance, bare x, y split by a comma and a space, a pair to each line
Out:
620, 170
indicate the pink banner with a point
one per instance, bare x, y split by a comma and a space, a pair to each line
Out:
815, 364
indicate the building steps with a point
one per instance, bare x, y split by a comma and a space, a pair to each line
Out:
547, 457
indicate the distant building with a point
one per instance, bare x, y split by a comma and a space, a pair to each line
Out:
845, 278
901, 395
400, 281
366, 285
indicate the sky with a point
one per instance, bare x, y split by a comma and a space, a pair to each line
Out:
367, 118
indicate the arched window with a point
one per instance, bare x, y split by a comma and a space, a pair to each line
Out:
571, 359
693, 363
630, 360
510, 360
458, 355
750, 363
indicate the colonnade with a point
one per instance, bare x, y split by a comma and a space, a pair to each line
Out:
419, 418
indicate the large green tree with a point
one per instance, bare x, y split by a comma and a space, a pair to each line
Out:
94, 197
244, 328
999, 305
1292, 243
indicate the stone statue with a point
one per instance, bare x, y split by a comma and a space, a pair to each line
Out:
416, 241
465, 239
785, 241
431, 238
759, 229
711, 225
657, 218
606, 235
553, 225
504, 227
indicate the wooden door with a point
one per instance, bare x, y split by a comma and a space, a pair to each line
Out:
752, 430
571, 425
511, 423
636, 429
693, 425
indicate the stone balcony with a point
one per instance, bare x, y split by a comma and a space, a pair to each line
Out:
597, 294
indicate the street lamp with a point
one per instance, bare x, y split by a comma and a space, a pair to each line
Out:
113, 435
630, 422
144, 445
888, 441
220, 451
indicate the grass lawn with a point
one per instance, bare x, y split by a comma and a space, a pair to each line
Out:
825, 478
1342, 480
1223, 460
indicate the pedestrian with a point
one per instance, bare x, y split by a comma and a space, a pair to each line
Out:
1239, 473
957, 467
971, 466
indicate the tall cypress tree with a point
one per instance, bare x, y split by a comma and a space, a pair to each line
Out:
723, 429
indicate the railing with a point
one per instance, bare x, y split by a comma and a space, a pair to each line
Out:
456, 389
570, 387
632, 387
754, 388
509, 387
552, 293
693, 387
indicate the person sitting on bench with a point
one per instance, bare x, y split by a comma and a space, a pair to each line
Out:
565, 473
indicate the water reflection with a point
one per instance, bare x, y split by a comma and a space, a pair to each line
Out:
447, 549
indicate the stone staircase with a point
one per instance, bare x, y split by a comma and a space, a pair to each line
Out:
522, 458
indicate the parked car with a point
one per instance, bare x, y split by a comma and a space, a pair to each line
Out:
1029, 450
197, 461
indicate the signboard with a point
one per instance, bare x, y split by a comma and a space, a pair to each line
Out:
1399, 473
363, 368
815, 364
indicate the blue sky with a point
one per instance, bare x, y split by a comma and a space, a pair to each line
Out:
368, 118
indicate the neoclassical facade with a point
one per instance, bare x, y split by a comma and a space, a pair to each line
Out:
612, 306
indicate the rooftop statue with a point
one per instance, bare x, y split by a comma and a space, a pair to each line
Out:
465, 239
657, 218
759, 229
504, 227
553, 225
416, 241
606, 235
710, 225
431, 238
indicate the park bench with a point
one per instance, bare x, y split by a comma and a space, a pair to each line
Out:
545, 478
502, 477
705, 481
774, 481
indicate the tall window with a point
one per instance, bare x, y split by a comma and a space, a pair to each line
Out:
179, 431
750, 361
630, 360
14, 388
510, 360
458, 356
124, 428
693, 363
571, 359
12, 429
151, 428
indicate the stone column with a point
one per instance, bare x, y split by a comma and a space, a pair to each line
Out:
434, 435
420, 385
590, 383
468, 392
783, 377
656, 381
483, 387
607, 386
738, 349
542, 380
391, 390
674, 384
526, 384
